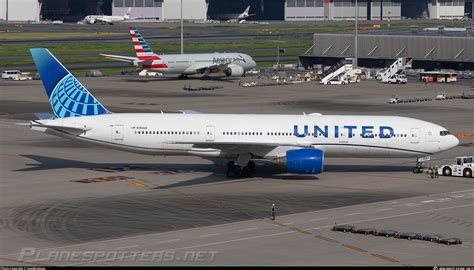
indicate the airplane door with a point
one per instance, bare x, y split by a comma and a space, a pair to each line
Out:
117, 132
415, 135
210, 133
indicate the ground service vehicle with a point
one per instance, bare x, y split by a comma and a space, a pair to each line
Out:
343, 228
462, 167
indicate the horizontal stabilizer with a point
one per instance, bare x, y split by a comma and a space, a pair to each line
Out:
44, 115
68, 129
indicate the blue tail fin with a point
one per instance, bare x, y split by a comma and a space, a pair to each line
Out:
67, 96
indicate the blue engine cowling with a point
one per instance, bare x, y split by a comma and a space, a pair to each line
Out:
303, 161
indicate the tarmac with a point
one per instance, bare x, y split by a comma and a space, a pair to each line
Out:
68, 203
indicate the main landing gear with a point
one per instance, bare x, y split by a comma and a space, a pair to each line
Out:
236, 171
182, 76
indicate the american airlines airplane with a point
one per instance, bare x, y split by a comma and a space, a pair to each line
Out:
297, 143
92, 19
232, 64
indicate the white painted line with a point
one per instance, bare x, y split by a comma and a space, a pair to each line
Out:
394, 216
209, 235
383, 209
388, 203
316, 219
127, 246
352, 214
428, 201
288, 223
459, 196
443, 200
169, 241
413, 204
461, 191
280, 233
249, 229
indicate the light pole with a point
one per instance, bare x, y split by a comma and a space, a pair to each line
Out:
182, 41
278, 56
354, 65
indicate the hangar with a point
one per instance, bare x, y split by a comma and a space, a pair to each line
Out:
289, 10
450, 50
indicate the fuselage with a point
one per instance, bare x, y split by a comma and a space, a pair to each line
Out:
190, 64
269, 136
91, 19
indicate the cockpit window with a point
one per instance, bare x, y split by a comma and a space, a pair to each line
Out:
444, 133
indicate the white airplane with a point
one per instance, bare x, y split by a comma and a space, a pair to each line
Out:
236, 17
92, 19
232, 64
297, 143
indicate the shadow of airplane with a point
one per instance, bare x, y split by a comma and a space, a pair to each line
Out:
196, 78
217, 169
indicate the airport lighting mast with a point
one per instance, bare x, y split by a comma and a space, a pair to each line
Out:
182, 41
354, 64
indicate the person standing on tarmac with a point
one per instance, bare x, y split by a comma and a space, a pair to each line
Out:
435, 168
273, 211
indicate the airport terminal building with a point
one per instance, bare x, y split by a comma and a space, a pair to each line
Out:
429, 51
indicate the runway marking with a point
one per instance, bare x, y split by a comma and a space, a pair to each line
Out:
135, 183
316, 219
299, 230
209, 235
394, 216
412, 204
388, 203
169, 241
326, 239
249, 229
428, 201
354, 248
383, 209
384, 257
352, 214
286, 232
460, 191
459, 196
127, 247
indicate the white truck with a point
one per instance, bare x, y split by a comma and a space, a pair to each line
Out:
16, 75
462, 167
398, 78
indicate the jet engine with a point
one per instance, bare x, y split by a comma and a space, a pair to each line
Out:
234, 71
302, 161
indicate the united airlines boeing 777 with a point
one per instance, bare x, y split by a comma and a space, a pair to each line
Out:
298, 143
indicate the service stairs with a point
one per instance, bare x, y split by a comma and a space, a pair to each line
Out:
398, 67
334, 71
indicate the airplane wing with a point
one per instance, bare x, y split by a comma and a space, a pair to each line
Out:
255, 148
201, 68
134, 61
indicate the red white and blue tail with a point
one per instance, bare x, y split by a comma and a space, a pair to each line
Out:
142, 49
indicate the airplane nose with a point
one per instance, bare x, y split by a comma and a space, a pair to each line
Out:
455, 141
